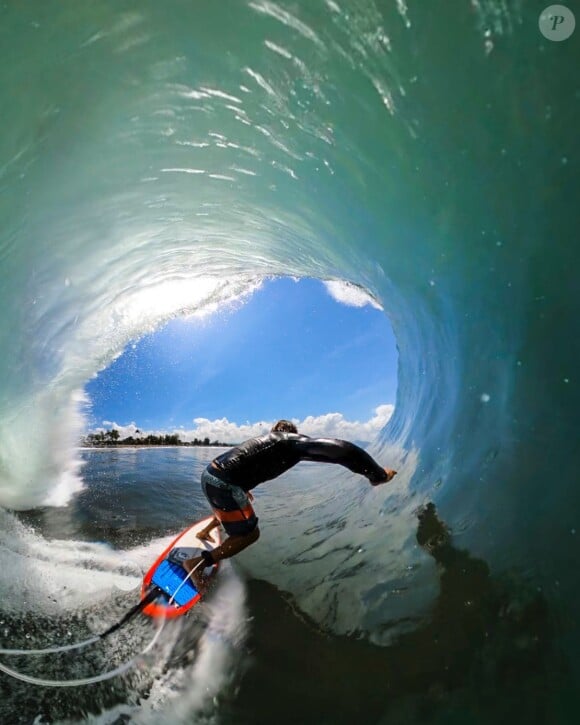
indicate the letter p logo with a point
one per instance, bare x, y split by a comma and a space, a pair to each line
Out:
557, 22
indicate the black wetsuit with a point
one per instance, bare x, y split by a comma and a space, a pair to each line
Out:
229, 477
261, 459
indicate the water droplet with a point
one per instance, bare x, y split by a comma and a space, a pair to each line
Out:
566, 380
573, 531
432, 282
485, 398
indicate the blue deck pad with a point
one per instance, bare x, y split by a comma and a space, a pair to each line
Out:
168, 577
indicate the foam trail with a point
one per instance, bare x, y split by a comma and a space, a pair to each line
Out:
224, 633
93, 572
60, 575
78, 682
188, 692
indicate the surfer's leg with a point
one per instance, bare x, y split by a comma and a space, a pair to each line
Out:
234, 544
205, 533
232, 507
231, 546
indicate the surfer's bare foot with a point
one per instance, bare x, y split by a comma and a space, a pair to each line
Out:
205, 536
205, 533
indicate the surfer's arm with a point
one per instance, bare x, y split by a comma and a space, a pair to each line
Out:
349, 455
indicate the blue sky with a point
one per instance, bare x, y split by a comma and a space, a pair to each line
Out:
291, 350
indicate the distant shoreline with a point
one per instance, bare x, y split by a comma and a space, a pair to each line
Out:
112, 439
91, 446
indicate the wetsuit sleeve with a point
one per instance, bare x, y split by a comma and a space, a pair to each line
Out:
333, 450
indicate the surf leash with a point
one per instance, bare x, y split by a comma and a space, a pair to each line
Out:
155, 591
85, 680
195, 568
50, 650
93, 640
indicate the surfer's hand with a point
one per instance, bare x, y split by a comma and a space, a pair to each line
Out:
250, 495
390, 475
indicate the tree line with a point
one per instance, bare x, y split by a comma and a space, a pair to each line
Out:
112, 438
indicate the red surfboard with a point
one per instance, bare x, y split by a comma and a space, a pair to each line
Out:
177, 592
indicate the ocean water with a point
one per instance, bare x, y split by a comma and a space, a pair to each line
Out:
158, 160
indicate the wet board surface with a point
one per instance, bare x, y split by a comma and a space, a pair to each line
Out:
179, 593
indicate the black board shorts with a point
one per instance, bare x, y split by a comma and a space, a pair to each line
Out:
230, 505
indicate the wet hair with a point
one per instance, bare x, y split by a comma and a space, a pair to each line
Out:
284, 426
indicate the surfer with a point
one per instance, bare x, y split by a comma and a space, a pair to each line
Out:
229, 478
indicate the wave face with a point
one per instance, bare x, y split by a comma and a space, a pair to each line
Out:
162, 160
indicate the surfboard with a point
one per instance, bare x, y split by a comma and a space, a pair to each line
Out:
177, 592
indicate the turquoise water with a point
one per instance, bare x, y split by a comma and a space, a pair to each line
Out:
161, 159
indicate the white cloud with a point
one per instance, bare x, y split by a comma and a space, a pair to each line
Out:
335, 425
125, 431
350, 294
330, 425
224, 430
